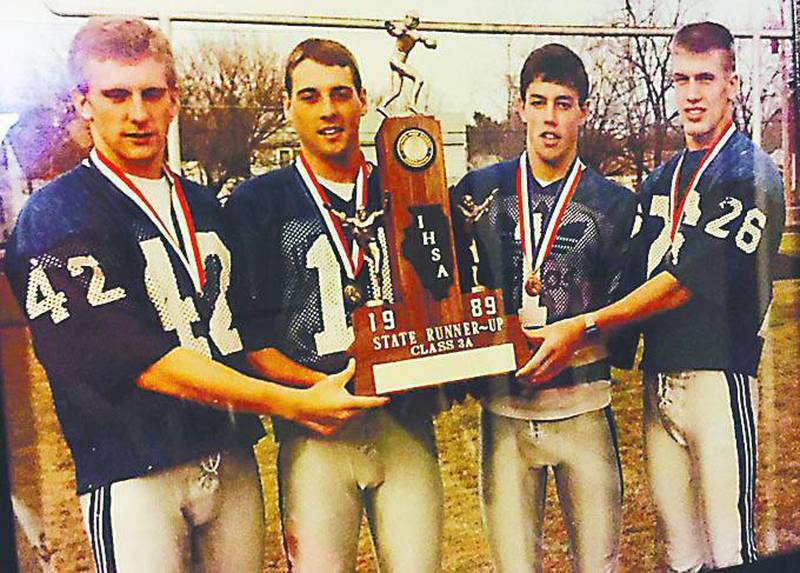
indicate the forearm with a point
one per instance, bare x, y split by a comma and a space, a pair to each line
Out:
188, 375
659, 294
272, 364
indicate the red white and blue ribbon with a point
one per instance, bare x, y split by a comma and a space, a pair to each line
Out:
352, 256
184, 215
535, 252
677, 202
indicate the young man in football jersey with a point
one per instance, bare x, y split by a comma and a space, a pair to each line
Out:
123, 271
712, 218
306, 273
554, 239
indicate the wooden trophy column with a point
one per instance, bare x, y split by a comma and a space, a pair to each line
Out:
431, 333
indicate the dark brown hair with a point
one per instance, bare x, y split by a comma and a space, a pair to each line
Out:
557, 64
703, 37
325, 52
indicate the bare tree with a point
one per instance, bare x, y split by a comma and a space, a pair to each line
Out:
631, 123
648, 83
230, 108
490, 140
770, 98
48, 137
602, 138
47, 140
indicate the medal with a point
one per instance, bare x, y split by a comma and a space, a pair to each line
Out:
532, 312
351, 257
353, 295
533, 284
534, 253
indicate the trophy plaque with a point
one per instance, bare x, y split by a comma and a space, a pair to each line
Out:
431, 333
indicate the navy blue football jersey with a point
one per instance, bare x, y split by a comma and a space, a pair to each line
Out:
292, 290
585, 268
723, 253
106, 297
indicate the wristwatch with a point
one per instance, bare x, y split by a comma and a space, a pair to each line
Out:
590, 330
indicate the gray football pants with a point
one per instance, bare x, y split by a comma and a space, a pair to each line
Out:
582, 453
700, 447
378, 465
185, 518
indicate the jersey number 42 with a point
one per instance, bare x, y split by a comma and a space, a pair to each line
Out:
176, 313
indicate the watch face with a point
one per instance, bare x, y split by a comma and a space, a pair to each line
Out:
415, 148
589, 326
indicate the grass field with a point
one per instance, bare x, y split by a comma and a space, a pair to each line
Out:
43, 480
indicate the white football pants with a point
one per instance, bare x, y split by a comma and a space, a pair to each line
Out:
582, 453
700, 447
377, 464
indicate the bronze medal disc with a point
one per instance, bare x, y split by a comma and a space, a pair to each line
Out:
353, 295
533, 284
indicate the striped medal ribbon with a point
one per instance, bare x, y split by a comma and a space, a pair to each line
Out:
533, 257
677, 202
351, 257
132, 191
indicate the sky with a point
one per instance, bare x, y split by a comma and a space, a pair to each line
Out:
465, 73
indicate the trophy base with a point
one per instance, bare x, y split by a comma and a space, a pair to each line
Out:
398, 351
392, 377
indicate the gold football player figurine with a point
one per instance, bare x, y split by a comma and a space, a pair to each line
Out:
407, 37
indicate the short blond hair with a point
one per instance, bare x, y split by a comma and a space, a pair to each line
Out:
118, 39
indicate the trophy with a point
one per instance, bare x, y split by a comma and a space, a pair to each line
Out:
430, 333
